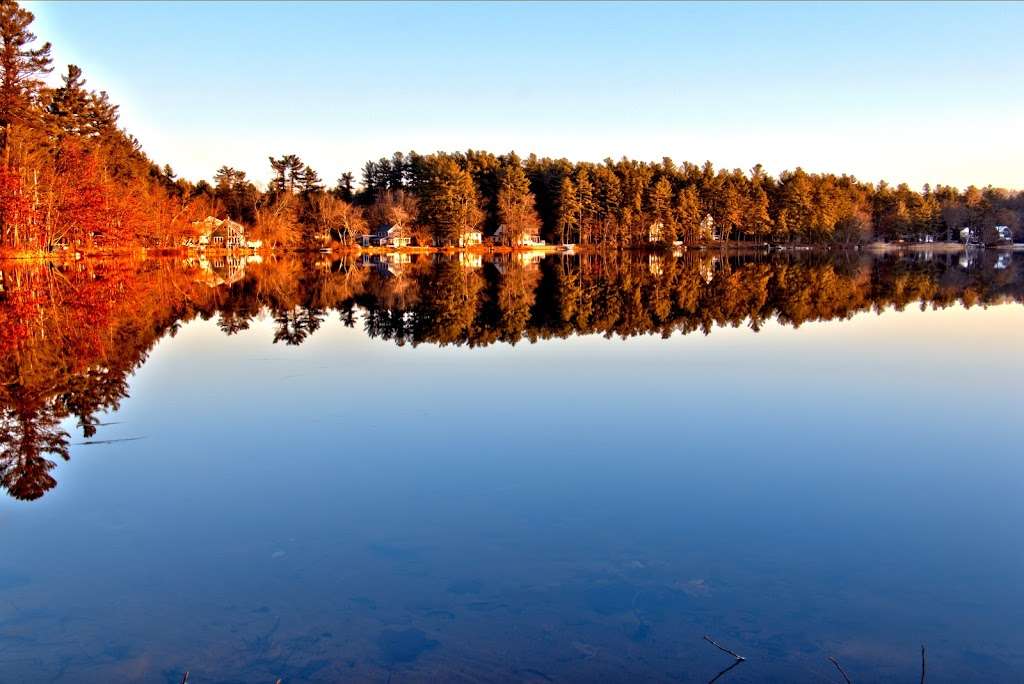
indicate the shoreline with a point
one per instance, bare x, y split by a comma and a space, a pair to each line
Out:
482, 250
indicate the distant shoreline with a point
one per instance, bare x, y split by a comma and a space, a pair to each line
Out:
356, 250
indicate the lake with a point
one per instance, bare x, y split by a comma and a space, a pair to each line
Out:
569, 468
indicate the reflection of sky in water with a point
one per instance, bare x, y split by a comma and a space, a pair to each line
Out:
583, 508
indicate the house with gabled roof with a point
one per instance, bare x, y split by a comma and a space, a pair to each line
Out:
395, 235
216, 233
529, 239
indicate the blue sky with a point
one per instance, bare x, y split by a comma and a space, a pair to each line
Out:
906, 92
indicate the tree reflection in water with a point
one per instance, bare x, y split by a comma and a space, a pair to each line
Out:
71, 335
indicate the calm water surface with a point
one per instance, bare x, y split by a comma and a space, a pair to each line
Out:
367, 480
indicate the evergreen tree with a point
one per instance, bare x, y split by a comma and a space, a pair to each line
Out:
515, 202
287, 171
588, 205
307, 180
345, 189
661, 210
70, 105
21, 67
688, 213
568, 212
447, 200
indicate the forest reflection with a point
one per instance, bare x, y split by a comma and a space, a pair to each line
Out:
72, 334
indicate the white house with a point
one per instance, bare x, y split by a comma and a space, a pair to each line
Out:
387, 236
967, 235
469, 238
708, 230
1005, 233
213, 232
525, 240
654, 231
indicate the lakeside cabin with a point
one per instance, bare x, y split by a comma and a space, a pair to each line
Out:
973, 236
708, 230
395, 236
471, 238
525, 240
467, 238
219, 234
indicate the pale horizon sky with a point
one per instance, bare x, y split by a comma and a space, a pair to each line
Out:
910, 93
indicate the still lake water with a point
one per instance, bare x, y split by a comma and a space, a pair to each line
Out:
366, 482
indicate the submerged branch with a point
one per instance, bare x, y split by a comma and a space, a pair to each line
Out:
736, 663
841, 670
96, 442
723, 648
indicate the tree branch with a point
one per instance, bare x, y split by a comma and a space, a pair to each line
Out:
735, 663
841, 670
722, 648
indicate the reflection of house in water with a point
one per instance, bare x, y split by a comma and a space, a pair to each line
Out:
968, 259
924, 255
655, 265
396, 236
708, 266
227, 269
528, 260
470, 260
1003, 260
391, 264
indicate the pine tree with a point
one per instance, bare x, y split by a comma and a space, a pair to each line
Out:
568, 211
515, 202
688, 212
757, 218
287, 169
660, 206
307, 180
588, 204
70, 104
21, 67
345, 189
447, 199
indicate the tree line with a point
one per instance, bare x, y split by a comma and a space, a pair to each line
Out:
610, 204
71, 177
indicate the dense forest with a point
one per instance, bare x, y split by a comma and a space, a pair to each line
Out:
71, 177
75, 333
